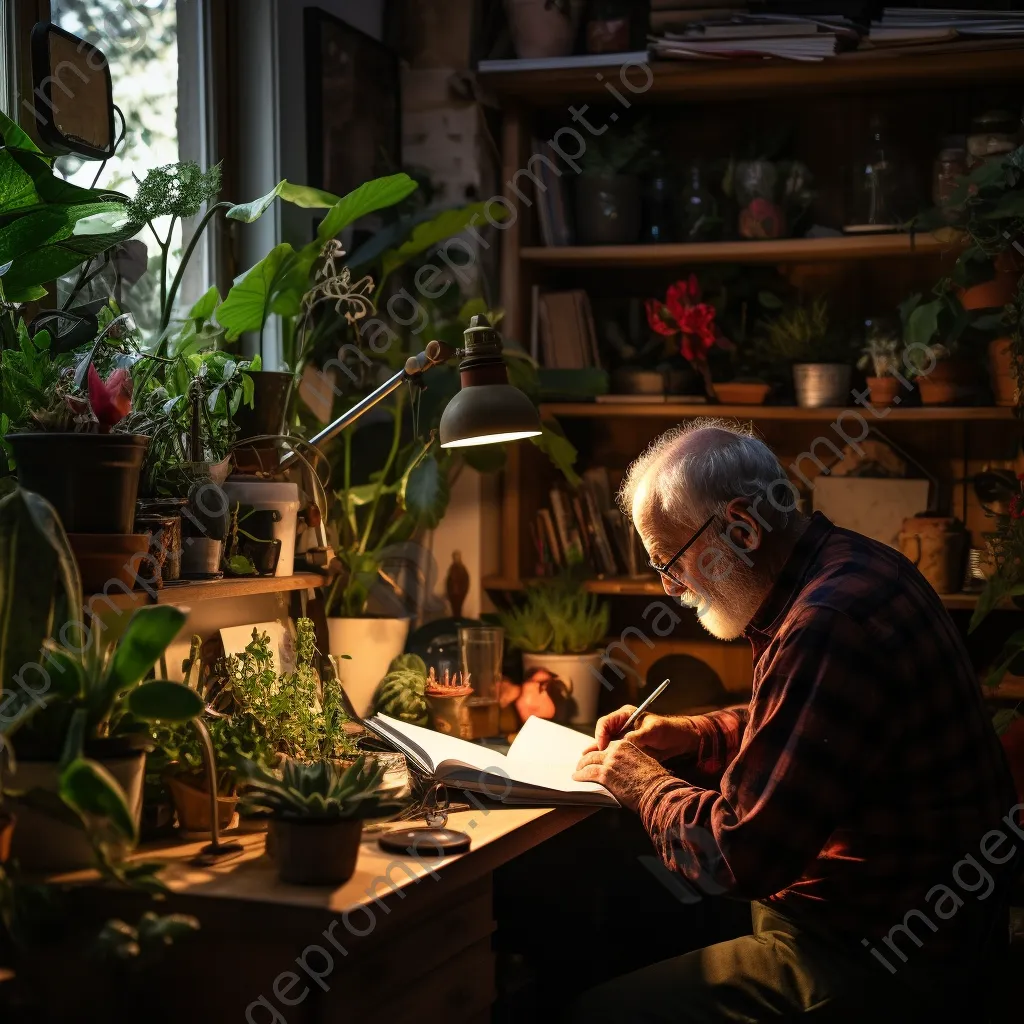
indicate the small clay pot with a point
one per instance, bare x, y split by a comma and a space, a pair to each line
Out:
7, 822
315, 851
883, 390
742, 392
1000, 368
944, 385
193, 805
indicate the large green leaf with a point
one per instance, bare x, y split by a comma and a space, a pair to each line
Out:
996, 589
559, 449
50, 224
432, 232
368, 198
206, 305
36, 569
17, 189
1010, 651
305, 196
94, 794
14, 137
426, 494
247, 304
923, 324
146, 637
164, 701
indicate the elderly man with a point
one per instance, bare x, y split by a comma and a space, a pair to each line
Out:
864, 804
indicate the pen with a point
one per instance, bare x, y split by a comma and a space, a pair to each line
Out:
643, 707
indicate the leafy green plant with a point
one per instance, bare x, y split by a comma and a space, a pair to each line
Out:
400, 694
94, 688
559, 617
802, 333
317, 790
49, 226
882, 353
618, 152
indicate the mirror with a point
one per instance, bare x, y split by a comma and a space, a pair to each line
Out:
73, 101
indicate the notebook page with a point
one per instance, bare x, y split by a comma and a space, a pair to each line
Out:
546, 754
442, 748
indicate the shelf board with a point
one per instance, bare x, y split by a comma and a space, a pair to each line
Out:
774, 250
683, 410
208, 590
963, 61
625, 586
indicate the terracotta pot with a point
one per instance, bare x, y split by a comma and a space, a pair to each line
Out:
1000, 369
7, 822
105, 558
193, 805
742, 392
542, 31
1000, 290
315, 851
945, 385
883, 390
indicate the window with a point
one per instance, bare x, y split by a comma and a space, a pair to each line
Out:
157, 55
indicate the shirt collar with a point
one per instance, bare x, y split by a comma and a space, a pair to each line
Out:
791, 578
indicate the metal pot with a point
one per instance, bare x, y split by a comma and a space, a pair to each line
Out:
820, 385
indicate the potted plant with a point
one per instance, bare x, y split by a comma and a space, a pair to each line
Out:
883, 355
990, 198
402, 692
938, 336
1006, 353
80, 751
608, 201
559, 628
543, 28
800, 337
316, 816
683, 314
445, 698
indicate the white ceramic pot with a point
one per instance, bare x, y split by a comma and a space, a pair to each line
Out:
581, 674
372, 644
41, 841
280, 496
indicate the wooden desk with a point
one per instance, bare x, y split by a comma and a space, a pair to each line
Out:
408, 937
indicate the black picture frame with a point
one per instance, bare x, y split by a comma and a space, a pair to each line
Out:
43, 78
353, 104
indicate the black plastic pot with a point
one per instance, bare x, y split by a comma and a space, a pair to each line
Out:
92, 480
271, 390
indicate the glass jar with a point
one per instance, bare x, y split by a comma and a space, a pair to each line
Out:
950, 165
658, 226
698, 215
993, 133
482, 648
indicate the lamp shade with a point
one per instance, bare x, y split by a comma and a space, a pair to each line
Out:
487, 409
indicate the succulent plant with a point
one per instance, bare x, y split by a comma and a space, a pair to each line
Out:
318, 790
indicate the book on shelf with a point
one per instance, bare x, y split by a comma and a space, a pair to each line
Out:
566, 328
566, 527
661, 21
550, 197
547, 528
537, 769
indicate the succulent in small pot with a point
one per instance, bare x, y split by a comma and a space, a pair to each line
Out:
445, 698
316, 815
883, 354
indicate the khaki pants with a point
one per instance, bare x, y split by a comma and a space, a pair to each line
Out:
780, 972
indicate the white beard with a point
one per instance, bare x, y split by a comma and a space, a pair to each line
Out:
725, 607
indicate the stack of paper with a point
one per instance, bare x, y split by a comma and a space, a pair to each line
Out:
932, 24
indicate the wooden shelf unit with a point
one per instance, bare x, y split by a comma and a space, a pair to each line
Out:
774, 250
784, 413
826, 107
629, 587
688, 81
209, 590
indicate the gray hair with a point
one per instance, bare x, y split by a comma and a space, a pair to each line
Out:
697, 468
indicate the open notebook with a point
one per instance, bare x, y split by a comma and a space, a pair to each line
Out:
537, 769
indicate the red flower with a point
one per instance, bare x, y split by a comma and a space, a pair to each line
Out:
111, 400
656, 318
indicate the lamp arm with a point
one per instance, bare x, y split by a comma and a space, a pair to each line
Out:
435, 352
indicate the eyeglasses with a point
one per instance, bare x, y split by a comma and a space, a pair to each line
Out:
663, 570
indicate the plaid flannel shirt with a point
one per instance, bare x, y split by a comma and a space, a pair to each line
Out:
864, 768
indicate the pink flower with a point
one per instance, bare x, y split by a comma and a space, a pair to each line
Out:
111, 399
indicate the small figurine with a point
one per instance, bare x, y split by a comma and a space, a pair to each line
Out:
456, 584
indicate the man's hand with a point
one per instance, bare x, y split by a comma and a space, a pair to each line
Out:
656, 735
625, 771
